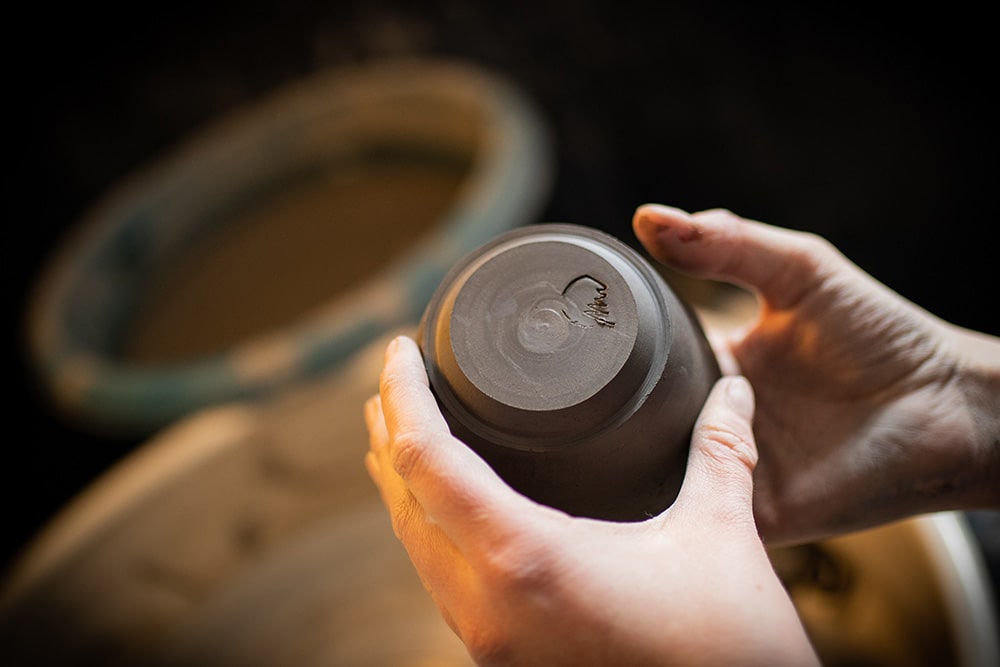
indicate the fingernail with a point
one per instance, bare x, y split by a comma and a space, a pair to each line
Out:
739, 393
392, 346
654, 212
391, 350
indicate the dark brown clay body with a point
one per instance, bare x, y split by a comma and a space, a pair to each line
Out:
561, 356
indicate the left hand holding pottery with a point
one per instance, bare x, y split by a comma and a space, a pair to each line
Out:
525, 584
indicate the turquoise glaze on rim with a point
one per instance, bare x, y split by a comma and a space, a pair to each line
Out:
94, 282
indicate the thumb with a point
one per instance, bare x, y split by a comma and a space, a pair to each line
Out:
781, 265
719, 476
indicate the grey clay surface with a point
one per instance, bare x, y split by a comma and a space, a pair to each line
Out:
562, 357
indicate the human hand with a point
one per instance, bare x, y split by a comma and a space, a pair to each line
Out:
869, 409
524, 584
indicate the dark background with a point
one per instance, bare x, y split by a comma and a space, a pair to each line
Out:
872, 126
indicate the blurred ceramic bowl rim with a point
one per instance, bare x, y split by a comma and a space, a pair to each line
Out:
965, 586
85, 292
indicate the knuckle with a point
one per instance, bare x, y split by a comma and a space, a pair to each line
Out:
521, 571
725, 444
391, 384
802, 269
487, 644
404, 516
815, 250
717, 212
408, 453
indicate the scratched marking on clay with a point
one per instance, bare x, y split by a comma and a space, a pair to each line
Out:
596, 309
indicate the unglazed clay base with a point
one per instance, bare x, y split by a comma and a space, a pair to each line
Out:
562, 357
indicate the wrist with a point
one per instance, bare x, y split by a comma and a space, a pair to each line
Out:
978, 379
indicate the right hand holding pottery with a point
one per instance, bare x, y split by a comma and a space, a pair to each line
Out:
869, 409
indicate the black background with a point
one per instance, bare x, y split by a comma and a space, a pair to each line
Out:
873, 126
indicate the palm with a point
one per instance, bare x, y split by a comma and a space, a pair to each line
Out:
840, 377
863, 415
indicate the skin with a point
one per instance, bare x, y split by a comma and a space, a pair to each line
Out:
868, 409
524, 584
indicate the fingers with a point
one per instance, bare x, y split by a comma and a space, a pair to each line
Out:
719, 476
391, 487
409, 405
779, 264
378, 437
440, 565
402, 506
453, 486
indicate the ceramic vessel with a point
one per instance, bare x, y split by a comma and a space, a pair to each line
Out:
271, 246
567, 362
